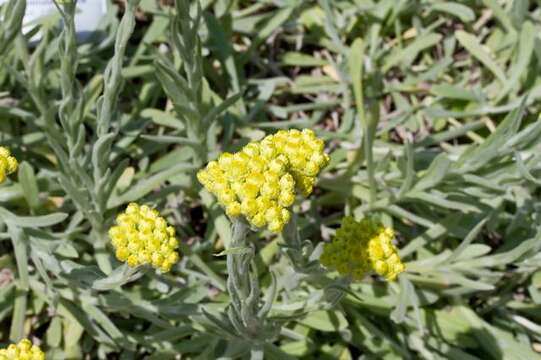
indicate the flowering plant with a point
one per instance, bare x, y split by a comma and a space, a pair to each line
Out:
271, 180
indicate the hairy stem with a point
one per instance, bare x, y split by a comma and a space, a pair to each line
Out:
243, 286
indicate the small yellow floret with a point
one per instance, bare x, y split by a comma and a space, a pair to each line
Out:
361, 247
8, 164
24, 350
259, 181
142, 236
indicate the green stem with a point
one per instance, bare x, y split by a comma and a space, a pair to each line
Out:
368, 149
240, 230
237, 281
243, 287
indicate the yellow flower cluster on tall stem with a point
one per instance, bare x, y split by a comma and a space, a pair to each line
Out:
361, 247
24, 350
259, 181
8, 163
142, 237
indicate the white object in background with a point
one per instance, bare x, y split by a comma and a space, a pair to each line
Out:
87, 19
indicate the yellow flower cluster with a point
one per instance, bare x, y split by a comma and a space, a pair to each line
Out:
142, 236
361, 247
24, 350
8, 164
259, 181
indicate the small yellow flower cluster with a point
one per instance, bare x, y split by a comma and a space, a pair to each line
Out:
305, 154
8, 164
142, 236
259, 181
24, 350
361, 247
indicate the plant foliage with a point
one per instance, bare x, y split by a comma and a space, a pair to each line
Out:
430, 114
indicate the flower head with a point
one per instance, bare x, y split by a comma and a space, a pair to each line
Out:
259, 181
8, 163
361, 247
142, 236
24, 350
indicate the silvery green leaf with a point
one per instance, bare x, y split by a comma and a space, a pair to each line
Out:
120, 276
31, 221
